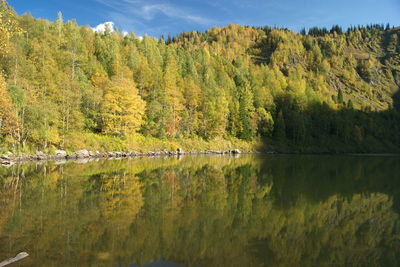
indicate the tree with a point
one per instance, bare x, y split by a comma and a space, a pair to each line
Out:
280, 127
8, 118
246, 111
340, 97
350, 104
59, 26
173, 105
122, 108
265, 122
65, 80
8, 26
190, 117
8, 114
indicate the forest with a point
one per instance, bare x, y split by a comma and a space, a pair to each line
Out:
258, 88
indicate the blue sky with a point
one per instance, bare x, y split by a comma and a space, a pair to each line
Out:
156, 17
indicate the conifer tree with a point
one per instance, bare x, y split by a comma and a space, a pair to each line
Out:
122, 108
280, 127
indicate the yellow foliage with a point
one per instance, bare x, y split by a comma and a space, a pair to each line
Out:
122, 108
8, 118
8, 25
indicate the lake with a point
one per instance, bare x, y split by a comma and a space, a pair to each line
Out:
246, 210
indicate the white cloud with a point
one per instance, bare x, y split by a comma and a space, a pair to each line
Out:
142, 9
101, 28
148, 12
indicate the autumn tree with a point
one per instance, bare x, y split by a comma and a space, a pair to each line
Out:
122, 108
8, 118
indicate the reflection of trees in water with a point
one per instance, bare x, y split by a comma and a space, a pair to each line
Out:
208, 211
339, 232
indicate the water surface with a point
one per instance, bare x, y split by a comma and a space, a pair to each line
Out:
251, 210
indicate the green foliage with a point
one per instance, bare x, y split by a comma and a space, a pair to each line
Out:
227, 82
8, 119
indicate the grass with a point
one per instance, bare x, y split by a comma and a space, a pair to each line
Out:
140, 143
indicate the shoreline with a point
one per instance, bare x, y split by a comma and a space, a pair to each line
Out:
86, 155
60, 155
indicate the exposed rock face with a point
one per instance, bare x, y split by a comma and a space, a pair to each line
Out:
60, 153
82, 153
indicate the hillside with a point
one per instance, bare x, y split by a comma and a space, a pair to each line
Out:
66, 86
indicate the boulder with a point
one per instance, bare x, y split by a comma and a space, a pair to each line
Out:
99, 154
83, 153
4, 157
40, 155
132, 153
236, 151
214, 152
60, 153
179, 151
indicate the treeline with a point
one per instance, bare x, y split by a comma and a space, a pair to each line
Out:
336, 29
63, 81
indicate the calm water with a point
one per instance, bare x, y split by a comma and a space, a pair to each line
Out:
271, 210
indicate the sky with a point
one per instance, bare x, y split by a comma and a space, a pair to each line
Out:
163, 17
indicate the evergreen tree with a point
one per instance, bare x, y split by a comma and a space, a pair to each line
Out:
65, 80
122, 108
280, 128
340, 97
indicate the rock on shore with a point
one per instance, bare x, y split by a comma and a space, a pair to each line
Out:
61, 155
83, 153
